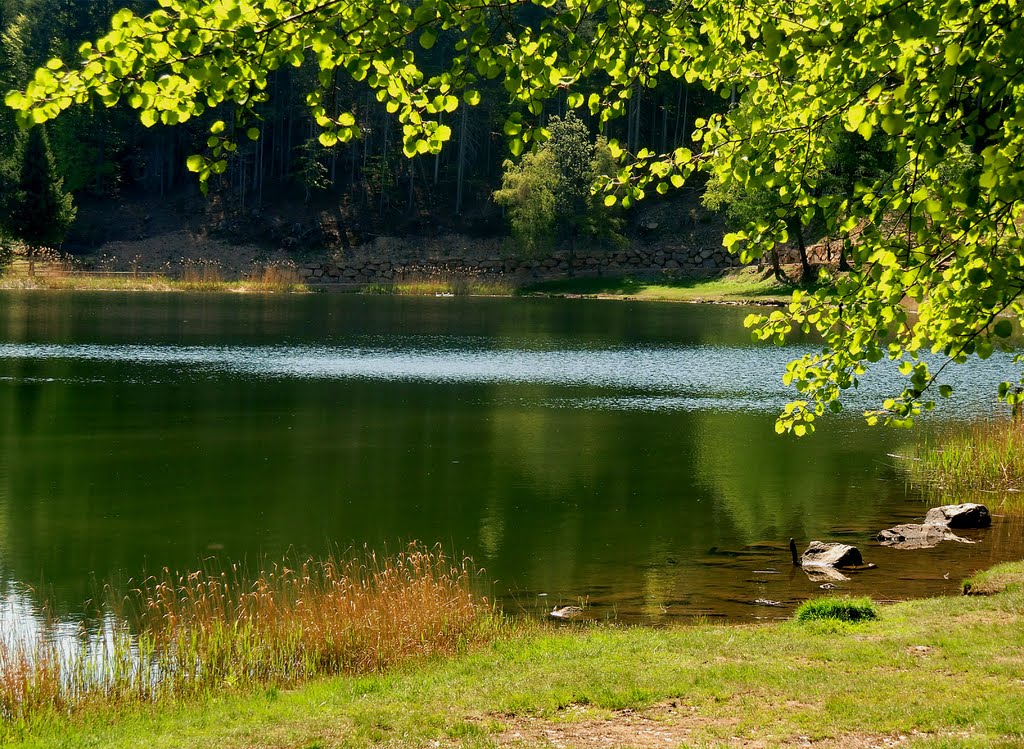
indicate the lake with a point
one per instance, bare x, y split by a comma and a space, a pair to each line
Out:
620, 454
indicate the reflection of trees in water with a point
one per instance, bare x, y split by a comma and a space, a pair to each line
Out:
773, 488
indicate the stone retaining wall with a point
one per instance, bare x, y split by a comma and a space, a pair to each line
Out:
558, 264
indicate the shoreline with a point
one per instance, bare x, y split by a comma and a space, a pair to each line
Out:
740, 287
932, 672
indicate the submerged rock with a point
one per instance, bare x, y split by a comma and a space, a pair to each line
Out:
966, 515
912, 536
818, 574
820, 554
566, 612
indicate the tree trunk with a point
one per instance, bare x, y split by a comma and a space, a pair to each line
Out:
776, 268
463, 138
805, 266
844, 264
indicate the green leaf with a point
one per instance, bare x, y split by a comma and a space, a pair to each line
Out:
194, 163
427, 38
471, 97
1003, 328
855, 116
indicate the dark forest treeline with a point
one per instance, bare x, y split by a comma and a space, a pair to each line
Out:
107, 152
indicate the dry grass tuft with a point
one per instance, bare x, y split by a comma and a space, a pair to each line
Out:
198, 632
274, 277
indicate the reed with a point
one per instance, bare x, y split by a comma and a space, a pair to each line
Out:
983, 457
274, 276
199, 632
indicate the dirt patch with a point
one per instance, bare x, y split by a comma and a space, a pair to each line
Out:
919, 650
664, 725
857, 741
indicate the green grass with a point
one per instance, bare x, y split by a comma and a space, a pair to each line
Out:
985, 457
743, 285
995, 580
944, 672
446, 286
836, 608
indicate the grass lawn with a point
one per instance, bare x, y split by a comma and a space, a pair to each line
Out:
945, 672
743, 285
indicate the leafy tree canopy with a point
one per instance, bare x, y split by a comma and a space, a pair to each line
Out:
550, 192
943, 80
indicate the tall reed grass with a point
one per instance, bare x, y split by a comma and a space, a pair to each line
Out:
189, 634
985, 456
275, 276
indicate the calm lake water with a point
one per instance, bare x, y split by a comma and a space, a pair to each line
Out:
611, 452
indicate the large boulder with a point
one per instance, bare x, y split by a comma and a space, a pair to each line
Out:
966, 515
820, 554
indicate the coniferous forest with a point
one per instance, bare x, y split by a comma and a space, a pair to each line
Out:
96, 156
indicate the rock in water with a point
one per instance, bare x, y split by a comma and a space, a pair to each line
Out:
819, 554
966, 515
566, 612
912, 536
818, 574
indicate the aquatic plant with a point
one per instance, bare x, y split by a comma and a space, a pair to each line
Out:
187, 634
986, 456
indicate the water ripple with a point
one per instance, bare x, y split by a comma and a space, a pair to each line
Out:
654, 379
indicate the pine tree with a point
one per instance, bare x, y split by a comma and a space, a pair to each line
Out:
13, 72
43, 211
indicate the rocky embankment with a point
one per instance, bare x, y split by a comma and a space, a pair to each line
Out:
368, 268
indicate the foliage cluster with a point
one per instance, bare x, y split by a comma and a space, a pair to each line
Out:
111, 150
